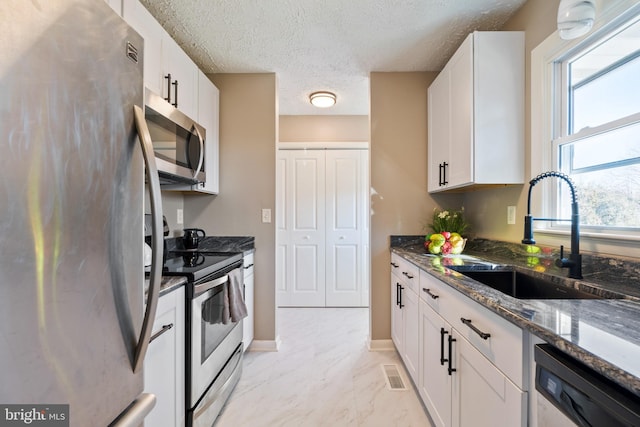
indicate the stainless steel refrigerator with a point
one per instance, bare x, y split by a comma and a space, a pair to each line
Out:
74, 318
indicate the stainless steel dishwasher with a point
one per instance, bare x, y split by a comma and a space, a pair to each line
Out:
571, 393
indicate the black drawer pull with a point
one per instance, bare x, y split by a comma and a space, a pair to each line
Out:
164, 329
407, 274
248, 266
432, 295
394, 265
467, 322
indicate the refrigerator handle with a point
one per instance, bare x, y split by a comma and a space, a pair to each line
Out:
201, 160
156, 239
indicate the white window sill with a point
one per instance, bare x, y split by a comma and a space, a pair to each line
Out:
618, 245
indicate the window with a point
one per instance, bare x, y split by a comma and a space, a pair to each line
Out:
597, 142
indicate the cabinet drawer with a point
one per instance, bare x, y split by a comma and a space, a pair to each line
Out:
504, 345
408, 273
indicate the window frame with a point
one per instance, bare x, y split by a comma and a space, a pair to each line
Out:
548, 77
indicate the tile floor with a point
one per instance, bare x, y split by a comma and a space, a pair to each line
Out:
323, 375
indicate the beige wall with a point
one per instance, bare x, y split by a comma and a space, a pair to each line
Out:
324, 128
400, 203
248, 135
487, 209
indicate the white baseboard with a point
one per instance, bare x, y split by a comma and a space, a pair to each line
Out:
381, 345
265, 345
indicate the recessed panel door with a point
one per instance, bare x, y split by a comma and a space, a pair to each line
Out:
345, 216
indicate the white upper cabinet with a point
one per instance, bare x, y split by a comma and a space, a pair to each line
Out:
476, 114
163, 58
209, 118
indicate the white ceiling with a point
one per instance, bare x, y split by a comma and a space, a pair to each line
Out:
330, 45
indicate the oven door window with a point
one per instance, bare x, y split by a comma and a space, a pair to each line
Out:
214, 315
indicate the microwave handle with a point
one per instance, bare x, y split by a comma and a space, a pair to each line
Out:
156, 239
201, 160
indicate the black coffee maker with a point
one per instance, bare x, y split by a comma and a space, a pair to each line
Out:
148, 227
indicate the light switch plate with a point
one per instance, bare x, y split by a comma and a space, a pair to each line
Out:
511, 215
266, 216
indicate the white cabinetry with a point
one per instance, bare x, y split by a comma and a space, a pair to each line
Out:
209, 118
476, 114
247, 322
471, 372
163, 57
405, 313
164, 362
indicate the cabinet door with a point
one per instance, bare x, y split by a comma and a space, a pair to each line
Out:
209, 118
247, 322
461, 98
483, 396
411, 333
144, 23
397, 334
183, 71
439, 123
164, 362
434, 384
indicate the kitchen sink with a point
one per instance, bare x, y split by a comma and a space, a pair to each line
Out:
523, 286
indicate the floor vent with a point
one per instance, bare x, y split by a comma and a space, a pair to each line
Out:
393, 378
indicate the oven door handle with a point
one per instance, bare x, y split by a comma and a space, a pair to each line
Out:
203, 287
156, 240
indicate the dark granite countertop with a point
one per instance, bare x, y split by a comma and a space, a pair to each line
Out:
604, 334
168, 284
243, 244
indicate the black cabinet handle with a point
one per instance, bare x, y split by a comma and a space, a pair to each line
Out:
442, 334
432, 295
397, 293
164, 329
175, 92
407, 274
444, 173
168, 98
451, 341
440, 166
400, 300
248, 266
394, 265
467, 322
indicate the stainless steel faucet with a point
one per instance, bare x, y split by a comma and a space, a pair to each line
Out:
574, 262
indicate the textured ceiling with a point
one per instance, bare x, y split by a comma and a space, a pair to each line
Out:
325, 44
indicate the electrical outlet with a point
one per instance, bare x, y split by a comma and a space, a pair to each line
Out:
266, 216
179, 217
511, 215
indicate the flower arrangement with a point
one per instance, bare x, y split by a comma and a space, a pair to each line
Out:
447, 227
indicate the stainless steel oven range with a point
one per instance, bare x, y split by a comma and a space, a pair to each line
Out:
213, 342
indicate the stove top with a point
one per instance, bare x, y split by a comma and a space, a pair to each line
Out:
196, 264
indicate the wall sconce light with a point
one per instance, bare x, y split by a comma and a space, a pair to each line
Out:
322, 99
575, 18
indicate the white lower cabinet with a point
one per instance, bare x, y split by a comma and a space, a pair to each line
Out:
404, 317
247, 322
471, 373
482, 395
164, 362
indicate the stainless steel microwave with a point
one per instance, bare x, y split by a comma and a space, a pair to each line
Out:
178, 142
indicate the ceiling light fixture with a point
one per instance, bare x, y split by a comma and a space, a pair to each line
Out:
575, 18
322, 99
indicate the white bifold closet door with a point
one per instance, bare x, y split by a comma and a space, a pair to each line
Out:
322, 228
